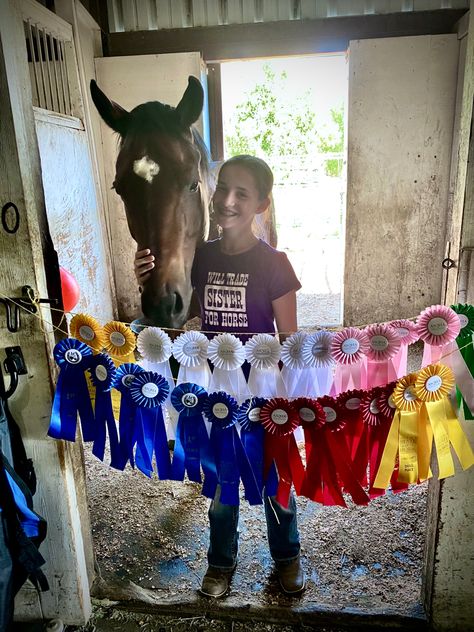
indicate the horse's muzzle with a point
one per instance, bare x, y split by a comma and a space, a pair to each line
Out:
167, 311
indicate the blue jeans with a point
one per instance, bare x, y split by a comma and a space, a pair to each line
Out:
282, 530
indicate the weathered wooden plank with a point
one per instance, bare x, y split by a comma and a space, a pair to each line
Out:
400, 121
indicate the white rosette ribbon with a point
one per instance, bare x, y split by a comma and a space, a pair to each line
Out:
154, 346
320, 364
294, 367
226, 352
190, 350
263, 354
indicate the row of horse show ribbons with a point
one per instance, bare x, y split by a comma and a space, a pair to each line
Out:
240, 413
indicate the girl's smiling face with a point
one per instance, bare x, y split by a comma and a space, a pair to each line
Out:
237, 200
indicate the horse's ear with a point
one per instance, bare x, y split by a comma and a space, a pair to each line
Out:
190, 106
112, 113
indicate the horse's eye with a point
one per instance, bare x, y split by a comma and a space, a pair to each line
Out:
194, 186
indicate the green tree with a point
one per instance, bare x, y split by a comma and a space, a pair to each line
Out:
333, 143
271, 124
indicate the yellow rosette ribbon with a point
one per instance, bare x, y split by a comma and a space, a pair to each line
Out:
402, 438
432, 387
119, 342
88, 330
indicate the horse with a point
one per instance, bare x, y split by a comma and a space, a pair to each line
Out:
163, 176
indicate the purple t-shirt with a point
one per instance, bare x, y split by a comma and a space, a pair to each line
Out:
236, 291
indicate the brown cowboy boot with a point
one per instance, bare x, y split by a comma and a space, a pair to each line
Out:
291, 576
216, 582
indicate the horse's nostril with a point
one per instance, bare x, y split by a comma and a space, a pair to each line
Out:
178, 304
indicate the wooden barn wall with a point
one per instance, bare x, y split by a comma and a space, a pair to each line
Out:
400, 127
453, 565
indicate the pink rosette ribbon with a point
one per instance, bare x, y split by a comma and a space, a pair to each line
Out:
438, 326
407, 331
384, 344
349, 348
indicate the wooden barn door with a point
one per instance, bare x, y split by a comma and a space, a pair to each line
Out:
402, 94
129, 81
28, 258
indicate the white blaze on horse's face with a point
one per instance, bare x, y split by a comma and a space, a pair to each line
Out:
146, 168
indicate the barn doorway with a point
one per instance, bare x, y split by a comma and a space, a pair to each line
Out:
291, 111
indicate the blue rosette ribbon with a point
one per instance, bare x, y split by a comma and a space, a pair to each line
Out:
231, 459
124, 377
72, 396
149, 391
102, 371
192, 448
252, 436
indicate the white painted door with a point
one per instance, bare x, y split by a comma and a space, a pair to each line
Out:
71, 195
129, 81
402, 94
60, 497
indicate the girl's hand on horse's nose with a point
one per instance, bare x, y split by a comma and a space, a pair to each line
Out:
144, 262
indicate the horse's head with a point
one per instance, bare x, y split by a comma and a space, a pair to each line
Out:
161, 176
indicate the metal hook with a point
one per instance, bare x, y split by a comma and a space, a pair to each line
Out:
14, 365
28, 301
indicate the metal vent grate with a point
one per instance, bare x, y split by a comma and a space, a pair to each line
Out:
48, 70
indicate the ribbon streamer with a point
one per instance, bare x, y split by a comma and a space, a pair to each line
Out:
263, 353
384, 344
72, 396
294, 368
437, 326
432, 386
192, 448
231, 460
280, 418
226, 352
148, 391
103, 375
349, 348
407, 332
320, 364
190, 350
252, 435
124, 377
154, 345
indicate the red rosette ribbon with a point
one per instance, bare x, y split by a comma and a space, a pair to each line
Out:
349, 404
311, 416
280, 419
334, 461
369, 452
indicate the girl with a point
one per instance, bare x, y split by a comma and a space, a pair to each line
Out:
243, 286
